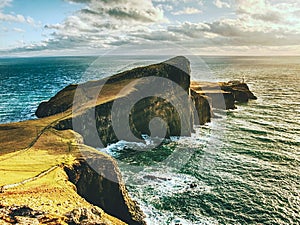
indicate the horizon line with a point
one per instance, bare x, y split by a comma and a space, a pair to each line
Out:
169, 55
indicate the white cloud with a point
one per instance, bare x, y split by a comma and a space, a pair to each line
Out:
107, 23
258, 10
165, 7
4, 3
187, 11
15, 18
19, 30
220, 4
233, 32
12, 18
178, 2
135, 10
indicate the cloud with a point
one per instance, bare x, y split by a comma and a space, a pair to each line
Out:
178, 2
187, 11
19, 30
5, 3
135, 10
159, 35
105, 24
79, 1
15, 18
111, 16
230, 32
220, 4
191, 30
259, 10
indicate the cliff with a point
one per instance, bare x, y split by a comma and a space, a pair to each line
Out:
128, 101
49, 173
223, 95
45, 179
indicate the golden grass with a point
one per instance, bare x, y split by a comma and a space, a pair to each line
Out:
51, 149
51, 193
28, 164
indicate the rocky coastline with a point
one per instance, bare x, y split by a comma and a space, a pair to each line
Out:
59, 145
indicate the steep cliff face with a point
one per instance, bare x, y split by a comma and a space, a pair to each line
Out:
240, 91
156, 91
109, 194
62, 101
223, 95
203, 108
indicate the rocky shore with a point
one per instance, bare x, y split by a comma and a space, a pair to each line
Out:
46, 174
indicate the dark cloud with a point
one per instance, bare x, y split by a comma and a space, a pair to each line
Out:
79, 1
124, 13
192, 30
160, 35
233, 32
268, 16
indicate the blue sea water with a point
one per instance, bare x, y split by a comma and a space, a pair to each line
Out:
242, 168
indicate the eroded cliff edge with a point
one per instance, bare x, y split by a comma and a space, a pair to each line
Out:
66, 187
46, 180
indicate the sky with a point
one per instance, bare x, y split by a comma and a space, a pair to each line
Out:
203, 27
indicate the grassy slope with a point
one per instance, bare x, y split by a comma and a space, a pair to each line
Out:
23, 156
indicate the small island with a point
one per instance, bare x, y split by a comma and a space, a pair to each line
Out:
46, 172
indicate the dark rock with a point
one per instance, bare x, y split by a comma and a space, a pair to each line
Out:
83, 216
193, 185
151, 177
229, 100
224, 94
104, 189
203, 109
219, 98
25, 215
240, 91
62, 101
240, 96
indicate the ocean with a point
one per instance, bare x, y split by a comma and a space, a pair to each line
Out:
242, 168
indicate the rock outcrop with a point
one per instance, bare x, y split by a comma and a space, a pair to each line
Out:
240, 91
105, 190
203, 108
223, 95
85, 216
26, 215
